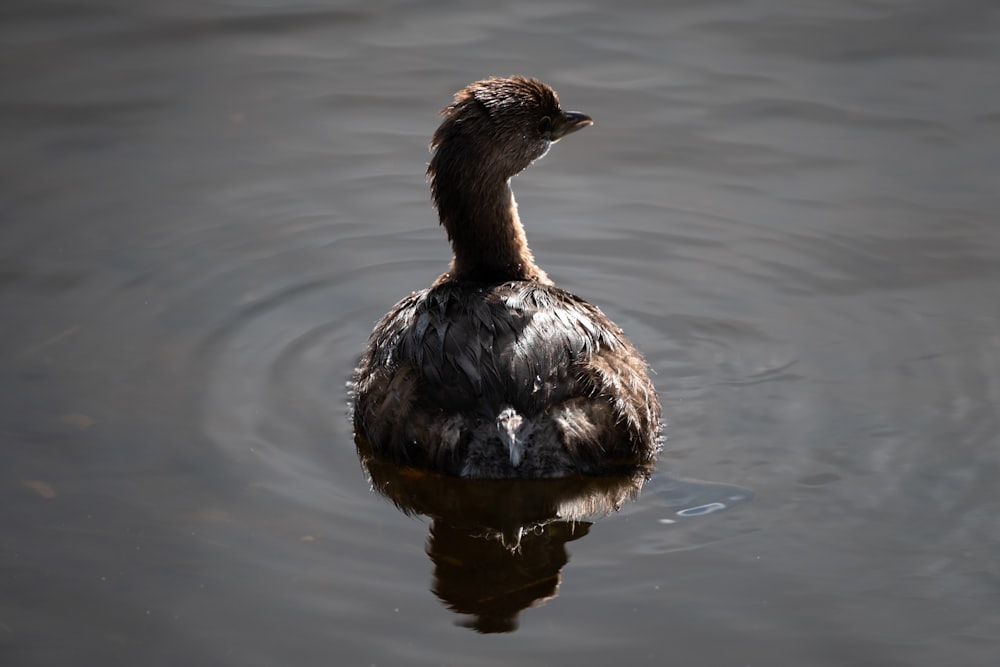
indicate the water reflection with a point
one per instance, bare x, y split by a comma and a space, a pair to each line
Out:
491, 583
499, 545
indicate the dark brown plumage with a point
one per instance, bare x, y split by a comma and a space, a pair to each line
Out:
494, 372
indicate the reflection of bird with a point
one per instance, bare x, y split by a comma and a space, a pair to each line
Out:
494, 372
492, 583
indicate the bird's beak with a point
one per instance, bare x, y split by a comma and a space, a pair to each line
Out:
571, 121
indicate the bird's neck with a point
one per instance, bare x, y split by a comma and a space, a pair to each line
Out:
487, 237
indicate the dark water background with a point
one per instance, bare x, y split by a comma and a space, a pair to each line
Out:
789, 207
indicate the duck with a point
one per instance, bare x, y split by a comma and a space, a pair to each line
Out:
493, 372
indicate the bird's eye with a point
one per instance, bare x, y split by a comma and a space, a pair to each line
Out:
545, 124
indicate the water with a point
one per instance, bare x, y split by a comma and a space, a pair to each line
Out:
790, 210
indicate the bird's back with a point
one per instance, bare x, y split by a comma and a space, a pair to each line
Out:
447, 367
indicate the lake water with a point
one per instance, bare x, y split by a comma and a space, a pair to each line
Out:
789, 207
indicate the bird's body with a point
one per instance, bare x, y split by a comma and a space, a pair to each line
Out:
493, 372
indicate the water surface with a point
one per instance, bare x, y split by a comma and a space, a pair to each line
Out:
790, 210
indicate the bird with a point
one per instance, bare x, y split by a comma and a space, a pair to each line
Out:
493, 372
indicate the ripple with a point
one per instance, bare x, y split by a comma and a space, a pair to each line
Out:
274, 396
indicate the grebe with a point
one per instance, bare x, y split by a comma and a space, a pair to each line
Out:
494, 372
